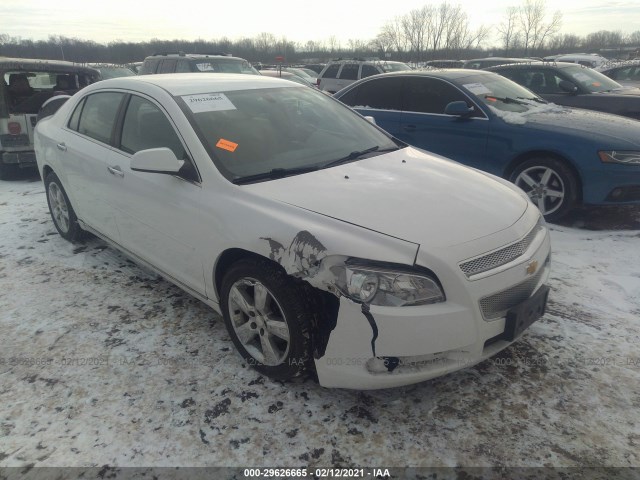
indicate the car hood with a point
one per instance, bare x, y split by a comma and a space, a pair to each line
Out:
407, 194
627, 91
608, 130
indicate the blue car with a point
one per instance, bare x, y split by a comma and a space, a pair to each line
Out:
559, 156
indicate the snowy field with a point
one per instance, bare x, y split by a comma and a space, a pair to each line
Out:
104, 363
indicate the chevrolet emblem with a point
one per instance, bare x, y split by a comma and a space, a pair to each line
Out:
532, 267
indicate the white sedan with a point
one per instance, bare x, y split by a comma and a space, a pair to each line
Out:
327, 245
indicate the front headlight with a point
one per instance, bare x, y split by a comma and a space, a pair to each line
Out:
387, 286
626, 157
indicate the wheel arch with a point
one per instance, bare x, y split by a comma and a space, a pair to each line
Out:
228, 258
46, 170
523, 157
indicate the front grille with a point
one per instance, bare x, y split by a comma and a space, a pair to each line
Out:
499, 257
497, 304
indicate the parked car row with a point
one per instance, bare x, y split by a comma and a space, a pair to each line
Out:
559, 156
354, 251
329, 247
574, 86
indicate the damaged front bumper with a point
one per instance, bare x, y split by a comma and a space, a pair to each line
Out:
380, 347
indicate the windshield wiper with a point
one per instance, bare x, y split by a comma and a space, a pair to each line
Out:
273, 174
535, 99
506, 99
358, 154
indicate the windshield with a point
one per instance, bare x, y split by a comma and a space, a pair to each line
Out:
252, 132
499, 92
395, 67
591, 80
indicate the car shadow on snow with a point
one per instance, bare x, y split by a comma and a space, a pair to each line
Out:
610, 217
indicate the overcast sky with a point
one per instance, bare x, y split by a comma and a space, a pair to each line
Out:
297, 20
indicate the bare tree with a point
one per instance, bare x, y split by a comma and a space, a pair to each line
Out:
334, 44
508, 29
414, 26
393, 35
534, 29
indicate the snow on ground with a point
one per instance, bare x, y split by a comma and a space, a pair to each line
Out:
105, 363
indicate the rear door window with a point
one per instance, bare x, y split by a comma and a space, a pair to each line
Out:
331, 71
349, 71
99, 114
368, 70
430, 95
381, 94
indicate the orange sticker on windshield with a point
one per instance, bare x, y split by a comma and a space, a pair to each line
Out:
227, 145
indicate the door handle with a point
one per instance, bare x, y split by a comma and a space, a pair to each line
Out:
62, 147
409, 127
117, 171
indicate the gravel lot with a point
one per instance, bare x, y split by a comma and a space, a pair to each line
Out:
103, 363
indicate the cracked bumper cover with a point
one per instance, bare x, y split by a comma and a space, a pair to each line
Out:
427, 341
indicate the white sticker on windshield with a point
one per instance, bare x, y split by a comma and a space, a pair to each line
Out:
204, 67
477, 88
208, 102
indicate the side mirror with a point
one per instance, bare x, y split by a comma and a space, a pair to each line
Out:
567, 86
371, 119
156, 160
458, 109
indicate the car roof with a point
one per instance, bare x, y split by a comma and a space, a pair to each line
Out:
194, 56
494, 58
35, 64
523, 65
191, 83
448, 73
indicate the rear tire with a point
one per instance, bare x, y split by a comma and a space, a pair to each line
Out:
62, 213
268, 315
550, 184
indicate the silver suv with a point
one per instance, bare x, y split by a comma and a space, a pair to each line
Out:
337, 74
187, 62
25, 86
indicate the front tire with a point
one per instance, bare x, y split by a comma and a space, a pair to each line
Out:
550, 184
62, 213
267, 314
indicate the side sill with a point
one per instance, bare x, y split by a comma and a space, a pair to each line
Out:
213, 304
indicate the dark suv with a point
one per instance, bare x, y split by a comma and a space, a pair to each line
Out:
195, 62
25, 86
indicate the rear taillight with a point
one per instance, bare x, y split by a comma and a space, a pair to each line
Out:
14, 128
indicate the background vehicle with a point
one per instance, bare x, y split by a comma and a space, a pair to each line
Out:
559, 156
244, 197
108, 70
574, 86
338, 74
444, 63
287, 76
625, 73
586, 59
25, 85
309, 76
186, 62
480, 63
